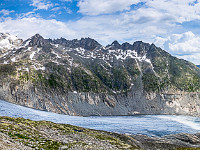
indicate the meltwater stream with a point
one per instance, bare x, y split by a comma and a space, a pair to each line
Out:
152, 125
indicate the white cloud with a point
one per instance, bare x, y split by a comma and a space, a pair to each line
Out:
28, 15
194, 58
55, 9
97, 7
6, 12
41, 4
140, 24
68, 10
27, 27
152, 19
178, 11
183, 10
66, 0
185, 45
108, 28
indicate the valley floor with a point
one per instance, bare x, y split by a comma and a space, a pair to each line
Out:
19, 133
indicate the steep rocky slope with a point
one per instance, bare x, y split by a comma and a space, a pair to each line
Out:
23, 134
82, 77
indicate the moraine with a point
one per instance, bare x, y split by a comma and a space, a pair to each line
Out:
152, 125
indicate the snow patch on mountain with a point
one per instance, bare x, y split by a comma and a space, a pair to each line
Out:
32, 55
36, 50
26, 43
57, 55
109, 54
39, 68
13, 59
8, 41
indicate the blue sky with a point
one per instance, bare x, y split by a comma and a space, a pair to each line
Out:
170, 24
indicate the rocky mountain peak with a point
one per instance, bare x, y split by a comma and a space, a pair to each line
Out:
124, 46
141, 47
127, 46
88, 43
62, 41
37, 40
37, 36
115, 45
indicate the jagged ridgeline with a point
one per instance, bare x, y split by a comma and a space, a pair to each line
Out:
49, 74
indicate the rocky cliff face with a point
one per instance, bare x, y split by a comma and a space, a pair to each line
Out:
82, 77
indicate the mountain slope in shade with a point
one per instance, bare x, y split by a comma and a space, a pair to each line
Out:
82, 77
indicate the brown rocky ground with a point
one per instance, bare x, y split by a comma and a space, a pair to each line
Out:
23, 134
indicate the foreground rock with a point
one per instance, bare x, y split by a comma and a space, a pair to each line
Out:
19, 133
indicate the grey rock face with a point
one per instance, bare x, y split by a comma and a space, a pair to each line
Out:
86, 43
36, 41
88, 104
176, 141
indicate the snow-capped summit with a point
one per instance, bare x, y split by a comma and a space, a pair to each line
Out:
8, 41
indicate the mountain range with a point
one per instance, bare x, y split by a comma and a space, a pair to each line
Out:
82, 77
